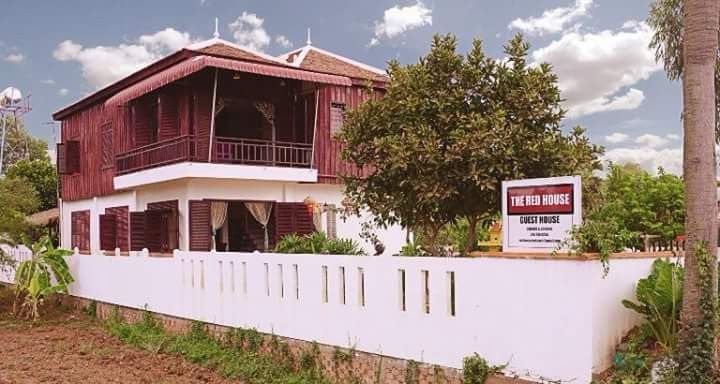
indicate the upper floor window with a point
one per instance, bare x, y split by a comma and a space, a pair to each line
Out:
68, 157
106, 145
337, 116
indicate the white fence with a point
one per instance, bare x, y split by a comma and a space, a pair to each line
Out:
552, 319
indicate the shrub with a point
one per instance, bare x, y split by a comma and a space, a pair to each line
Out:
476, 369
317, 243
660, 299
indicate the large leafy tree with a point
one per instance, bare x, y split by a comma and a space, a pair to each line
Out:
450, 128
17, 199
41, 175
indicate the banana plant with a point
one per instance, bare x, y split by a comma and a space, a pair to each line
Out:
46, 272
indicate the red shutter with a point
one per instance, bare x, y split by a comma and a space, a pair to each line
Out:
80, 230
121, 226
200, 230
137, 231
167, 237
169, 116
154, 230
292, 218
72, 157
61, 158
144, 121
108, 232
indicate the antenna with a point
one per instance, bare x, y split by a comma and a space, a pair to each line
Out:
309, 41
217, 32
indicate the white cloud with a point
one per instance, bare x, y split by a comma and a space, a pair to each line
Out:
48, 82
398, 20
672, 136
283, 41
649, 159
14, 58
63, 91
552, 20
616, 137
103, 65
595, 69
248, 31
651, 141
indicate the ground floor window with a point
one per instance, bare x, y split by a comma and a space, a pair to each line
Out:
80, 230
156, 228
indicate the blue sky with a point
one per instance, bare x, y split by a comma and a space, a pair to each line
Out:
61, 51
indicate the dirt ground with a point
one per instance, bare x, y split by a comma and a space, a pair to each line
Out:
67, 347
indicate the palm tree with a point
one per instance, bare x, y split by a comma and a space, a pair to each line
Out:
699, 56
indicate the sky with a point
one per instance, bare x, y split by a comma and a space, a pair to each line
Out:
61, 51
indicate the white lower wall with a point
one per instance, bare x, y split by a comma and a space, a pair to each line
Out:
548, 319
197, 189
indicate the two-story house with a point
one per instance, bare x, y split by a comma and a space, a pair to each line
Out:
213, 147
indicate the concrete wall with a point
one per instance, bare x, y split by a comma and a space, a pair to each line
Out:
197, 189
548, 319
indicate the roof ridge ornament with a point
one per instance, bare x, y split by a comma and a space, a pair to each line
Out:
216, 34
309, 41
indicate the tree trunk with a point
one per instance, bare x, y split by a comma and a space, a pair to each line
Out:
471, 235
699, 165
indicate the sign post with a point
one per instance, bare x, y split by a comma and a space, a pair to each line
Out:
537, 214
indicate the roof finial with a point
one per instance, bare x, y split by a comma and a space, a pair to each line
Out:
309, 41
217, 32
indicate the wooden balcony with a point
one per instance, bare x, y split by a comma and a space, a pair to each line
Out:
226, 150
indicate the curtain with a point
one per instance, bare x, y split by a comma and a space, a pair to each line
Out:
261, 212
218, 214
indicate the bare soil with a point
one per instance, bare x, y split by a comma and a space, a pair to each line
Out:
67, 347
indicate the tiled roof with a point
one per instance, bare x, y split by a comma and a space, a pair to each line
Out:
224, 50
318, 60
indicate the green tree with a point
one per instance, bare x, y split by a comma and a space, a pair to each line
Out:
449, 129
19, 144
17, 199
40, 173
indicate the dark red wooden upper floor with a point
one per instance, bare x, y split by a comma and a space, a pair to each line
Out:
264, 114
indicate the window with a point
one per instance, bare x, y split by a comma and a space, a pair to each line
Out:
156, 228
80, 230
68, 157
337, 116
106, 145
114, 229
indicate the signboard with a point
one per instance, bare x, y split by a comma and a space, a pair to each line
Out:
538, 213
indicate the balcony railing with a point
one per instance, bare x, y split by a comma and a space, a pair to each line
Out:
175, 150
262, 152
226, 150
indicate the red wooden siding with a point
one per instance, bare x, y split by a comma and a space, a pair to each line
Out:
200, 230
121, 226
292, 218
80, 230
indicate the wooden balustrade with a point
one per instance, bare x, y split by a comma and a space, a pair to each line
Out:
226, 150
262, 152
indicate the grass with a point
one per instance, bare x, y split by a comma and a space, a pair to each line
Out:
236, 358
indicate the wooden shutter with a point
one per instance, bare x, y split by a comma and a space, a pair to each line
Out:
169, 126
106, 145
108, 232
121, 226
61, 161
200, 230
168, 231
80, 230
154, 228
292, 218
137, 231
71, 157
144, 121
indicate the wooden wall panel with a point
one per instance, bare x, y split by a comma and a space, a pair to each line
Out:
169, 119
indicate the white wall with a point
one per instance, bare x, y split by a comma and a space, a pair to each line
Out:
551, 319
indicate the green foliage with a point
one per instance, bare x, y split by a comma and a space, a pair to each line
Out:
453, 237
696, 351
631, 362
44, 274
230, 360
91, 309
412, 249
41, 175
317, 243
659, 299
17, 199
449, 129
412, 372
631, 203
476, 369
